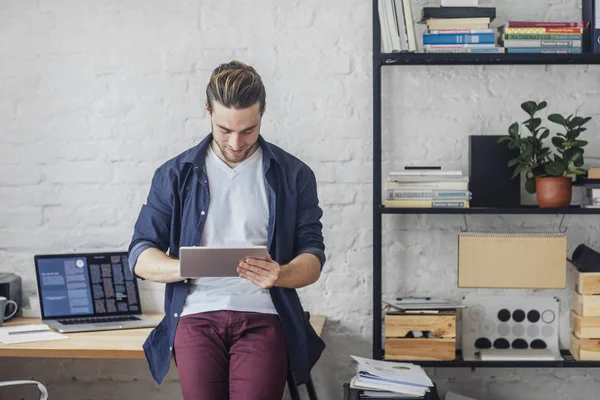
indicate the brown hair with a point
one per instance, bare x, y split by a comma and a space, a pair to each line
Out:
235, 85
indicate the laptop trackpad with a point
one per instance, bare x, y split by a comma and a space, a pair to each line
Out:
107, 325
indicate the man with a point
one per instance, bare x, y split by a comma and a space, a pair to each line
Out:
232, 338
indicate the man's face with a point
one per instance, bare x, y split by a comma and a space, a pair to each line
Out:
235, 132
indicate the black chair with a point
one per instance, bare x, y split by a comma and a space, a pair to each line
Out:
295, 393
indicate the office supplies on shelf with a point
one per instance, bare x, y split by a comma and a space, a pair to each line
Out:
512, 260
509, 323
586, 259
490, 178
420, 336
404, 378
28, 333
591, 16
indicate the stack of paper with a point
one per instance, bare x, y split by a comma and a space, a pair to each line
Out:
390, 379
28, 333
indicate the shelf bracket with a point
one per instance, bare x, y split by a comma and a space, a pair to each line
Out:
560, 226
466, 227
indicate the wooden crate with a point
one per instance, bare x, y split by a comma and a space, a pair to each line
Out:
585, 327
420, 349
585, 349
398, 347
586, 305
399, 325
586, 282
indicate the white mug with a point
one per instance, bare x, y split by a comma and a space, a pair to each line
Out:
3, 303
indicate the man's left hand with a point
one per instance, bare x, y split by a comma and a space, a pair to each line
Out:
263, 273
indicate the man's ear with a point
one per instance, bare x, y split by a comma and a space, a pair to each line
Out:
207, 108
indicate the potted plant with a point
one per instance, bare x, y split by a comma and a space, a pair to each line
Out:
547, 173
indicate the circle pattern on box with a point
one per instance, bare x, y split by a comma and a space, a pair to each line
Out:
477, 313
518, 330
504, 315
503, 329
509, 322
518, 315
533, 316
548, 316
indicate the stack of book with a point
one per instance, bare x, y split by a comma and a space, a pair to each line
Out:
397, 26
427, 187
378, 379
527, 37
459, 29
591, 185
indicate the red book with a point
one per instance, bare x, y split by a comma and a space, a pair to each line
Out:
532, 24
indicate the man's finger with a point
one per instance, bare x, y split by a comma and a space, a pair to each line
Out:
259, 263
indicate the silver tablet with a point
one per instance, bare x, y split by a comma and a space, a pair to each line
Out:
212, 262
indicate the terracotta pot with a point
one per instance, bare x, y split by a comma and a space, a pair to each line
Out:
553, 191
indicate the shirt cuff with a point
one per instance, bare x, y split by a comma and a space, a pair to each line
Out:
135, 252
320, 254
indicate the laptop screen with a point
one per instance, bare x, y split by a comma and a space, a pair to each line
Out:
77, 285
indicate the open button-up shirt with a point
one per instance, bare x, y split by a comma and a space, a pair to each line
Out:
174, 216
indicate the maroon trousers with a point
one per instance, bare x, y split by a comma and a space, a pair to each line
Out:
224, 355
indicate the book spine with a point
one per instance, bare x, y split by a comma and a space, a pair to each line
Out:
541, 36
465, 38
596, 26
544, 30
412, 203
460, 31
542, 43
427, 194
493, 50
458, 46
544, 50
534, 24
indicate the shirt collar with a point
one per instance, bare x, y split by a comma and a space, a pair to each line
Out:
197, 154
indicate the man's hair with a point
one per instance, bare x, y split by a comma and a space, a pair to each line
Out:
235, 85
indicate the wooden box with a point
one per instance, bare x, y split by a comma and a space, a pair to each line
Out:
586, 305
585, 327
586, 282
585, 349
399, 347
420, 349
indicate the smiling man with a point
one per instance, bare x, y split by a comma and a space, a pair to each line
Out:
234, 337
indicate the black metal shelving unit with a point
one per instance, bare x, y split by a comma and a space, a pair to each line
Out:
381, 60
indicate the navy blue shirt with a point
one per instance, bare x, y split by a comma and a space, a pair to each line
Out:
174, 216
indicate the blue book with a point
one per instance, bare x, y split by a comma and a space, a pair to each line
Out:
458, 38
544, 50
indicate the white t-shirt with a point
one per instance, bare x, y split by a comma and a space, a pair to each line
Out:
238, 214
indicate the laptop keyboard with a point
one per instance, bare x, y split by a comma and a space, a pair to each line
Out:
97, 320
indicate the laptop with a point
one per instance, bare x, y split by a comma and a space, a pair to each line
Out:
89, 292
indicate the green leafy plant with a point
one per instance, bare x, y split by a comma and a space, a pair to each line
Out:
538, 160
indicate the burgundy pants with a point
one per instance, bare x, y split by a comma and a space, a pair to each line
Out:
224, 355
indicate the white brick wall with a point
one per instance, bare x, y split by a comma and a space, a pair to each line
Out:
94, 95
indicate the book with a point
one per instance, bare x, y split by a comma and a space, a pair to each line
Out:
458, 38
428, 194
458, 12
532, 30
426, 171
541, 43
544, 50
544, 24
406, 203
542, 36
403, 378
491, 49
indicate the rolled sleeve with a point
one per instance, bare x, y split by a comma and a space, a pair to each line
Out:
153, 226
309, 229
